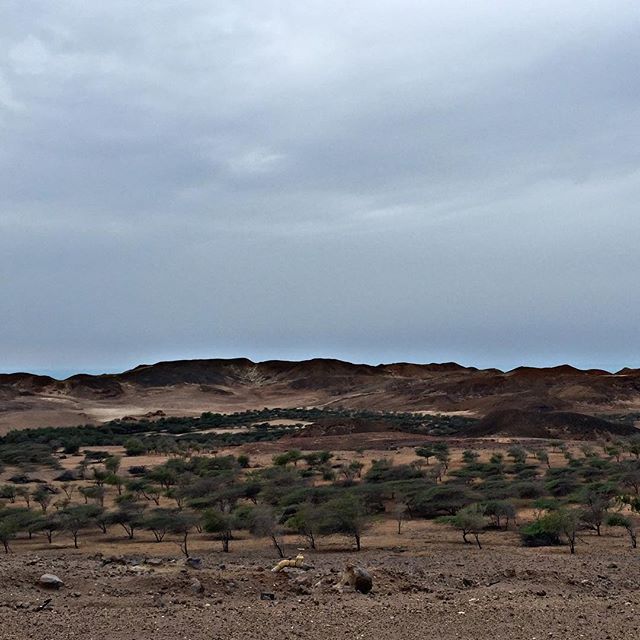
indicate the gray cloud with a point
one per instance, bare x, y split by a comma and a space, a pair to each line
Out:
376, 181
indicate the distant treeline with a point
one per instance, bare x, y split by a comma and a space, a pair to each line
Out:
28, 446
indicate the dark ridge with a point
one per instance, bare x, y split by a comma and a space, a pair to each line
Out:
435, 367
27, 382
161, 374
627, 371
172, 368
564, 425
560, 370
103, 385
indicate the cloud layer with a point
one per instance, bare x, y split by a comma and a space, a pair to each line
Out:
370, 180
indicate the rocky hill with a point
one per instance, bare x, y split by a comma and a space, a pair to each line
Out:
189, 387
554, 425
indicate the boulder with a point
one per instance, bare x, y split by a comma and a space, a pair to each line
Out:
196, 586
50, 581
356, 577
119, 559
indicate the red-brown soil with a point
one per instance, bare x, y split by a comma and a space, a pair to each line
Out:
426, 584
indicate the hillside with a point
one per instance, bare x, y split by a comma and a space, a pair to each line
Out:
555, 425
189, 387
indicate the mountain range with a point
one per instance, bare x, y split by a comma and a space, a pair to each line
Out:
189, 387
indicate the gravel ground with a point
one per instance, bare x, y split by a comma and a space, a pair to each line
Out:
453, 593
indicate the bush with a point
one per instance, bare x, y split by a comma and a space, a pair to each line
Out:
445, 499
22, 478
97, 456
138, 470
470, 520
385, 471
526, 490
134, 447
541, 533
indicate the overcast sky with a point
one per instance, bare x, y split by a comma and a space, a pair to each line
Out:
369, 180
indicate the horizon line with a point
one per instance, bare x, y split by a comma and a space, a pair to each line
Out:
67, 373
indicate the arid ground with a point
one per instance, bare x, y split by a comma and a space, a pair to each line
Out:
425, 585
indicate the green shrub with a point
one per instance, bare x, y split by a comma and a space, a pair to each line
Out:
544, 532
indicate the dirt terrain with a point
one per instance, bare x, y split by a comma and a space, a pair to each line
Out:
189, 387
426, 581
425, 585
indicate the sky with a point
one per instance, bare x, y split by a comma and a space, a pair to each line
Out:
406, 180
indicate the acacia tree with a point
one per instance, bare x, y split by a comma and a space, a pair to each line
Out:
215, 521
158, 521
76, 518
48, 524
23, 492
425, 452
8, 530
470, 520
112, 464
400, 513
442, 455
517, 454
178, 495
114, 480
43, 497
12, 521
597, 500
633, 446
346, 515
183, 524
101, 519
613, 449
618, 520
568, 522
543, 457
500, 511
8, 492
263, 522
94, 492
99, 476
306, 522
129, 516
164, 476
439, 499
68, 489
469, 456
283, 459
630, 475
152, 492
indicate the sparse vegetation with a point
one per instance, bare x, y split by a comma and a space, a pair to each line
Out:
315, 495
